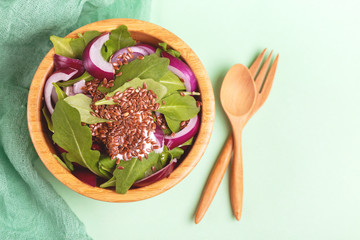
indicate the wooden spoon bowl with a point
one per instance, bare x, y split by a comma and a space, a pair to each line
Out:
147, 33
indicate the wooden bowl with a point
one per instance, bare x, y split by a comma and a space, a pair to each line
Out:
144, 32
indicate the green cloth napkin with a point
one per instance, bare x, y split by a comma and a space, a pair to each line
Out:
29, 206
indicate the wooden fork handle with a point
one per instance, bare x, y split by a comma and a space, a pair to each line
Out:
236, 179
214, 179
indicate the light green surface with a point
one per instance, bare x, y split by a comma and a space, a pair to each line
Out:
301, 163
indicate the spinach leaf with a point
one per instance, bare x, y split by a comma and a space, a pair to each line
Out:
174, 125
72, 47
76, 139
150, 67
82, 103
170, 51
85, 76
176, 152
156, 87
171, 82
188, 142
59, 92
119, 38
133, 170
47, 119
179, 107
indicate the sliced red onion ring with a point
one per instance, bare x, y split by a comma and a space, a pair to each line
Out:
150, 49
136, 52
184, 135
160, 138
162, 173
94, 62
183, 71
85, 176
59, 75
77, 87
61, 62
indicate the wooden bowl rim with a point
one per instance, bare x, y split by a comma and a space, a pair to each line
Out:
45, 148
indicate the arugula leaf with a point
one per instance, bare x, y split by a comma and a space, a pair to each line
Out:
174, 125
106, 165
59, 92
171, 82
179, 107
67, 162
76, 139
82, 103
109, 183
132, 171
150, 67
156, 87
47, 118
119, 38
85, 76
61, 162
72, 47
170, 51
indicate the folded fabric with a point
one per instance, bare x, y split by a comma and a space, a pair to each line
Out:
29, 206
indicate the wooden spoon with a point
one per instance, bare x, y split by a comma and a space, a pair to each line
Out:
237, 96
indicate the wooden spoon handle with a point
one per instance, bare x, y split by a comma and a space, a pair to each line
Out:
214, 179
236, 180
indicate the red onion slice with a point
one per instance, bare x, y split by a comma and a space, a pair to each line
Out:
162, 173
150, 49
183, 71
160, 138
77, 87
184, 135
94, 62
136, 52
59, 75
85, 175
61, 62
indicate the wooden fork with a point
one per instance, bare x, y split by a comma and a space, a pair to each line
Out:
263, 87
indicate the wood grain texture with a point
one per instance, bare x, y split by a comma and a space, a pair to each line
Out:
144, 32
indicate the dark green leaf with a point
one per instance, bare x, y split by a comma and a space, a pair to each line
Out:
188, 142
86, 76
164, 47
119, 38
61, 162
106, 165
82, 103
110, 183
76, 139
150, 67
156, 87
67, 162
47, 119
132, 171
179, 107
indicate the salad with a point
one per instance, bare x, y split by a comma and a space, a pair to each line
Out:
121, 113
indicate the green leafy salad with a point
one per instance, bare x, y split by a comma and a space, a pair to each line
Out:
121, 113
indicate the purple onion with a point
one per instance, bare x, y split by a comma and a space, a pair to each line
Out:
94, 62
77, 87
183, 135
162, 173
59, 75
136, 52
160, 139
61, 62
150, 49
183, 71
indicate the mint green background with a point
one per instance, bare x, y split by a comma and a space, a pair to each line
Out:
301, 160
